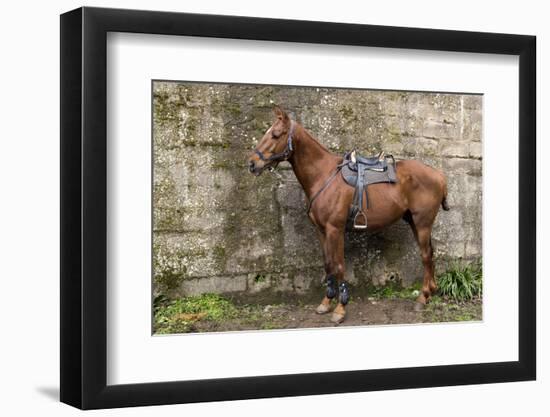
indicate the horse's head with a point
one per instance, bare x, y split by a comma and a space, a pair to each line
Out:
275, 146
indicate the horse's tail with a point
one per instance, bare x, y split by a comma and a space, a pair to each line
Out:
444, 204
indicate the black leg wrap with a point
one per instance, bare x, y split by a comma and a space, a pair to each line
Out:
331, 287
344, 293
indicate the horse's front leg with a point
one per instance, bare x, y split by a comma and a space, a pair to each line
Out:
334, 265
330, 281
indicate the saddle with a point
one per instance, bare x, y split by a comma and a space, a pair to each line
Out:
360, 172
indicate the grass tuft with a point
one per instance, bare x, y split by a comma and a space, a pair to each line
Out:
462, 282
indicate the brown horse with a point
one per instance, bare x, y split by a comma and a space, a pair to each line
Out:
416, 198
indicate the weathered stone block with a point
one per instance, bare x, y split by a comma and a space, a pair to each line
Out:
464, 191
440, 128
453, 148
426, 146
282, 282
475, 150
472, 102
306, 280
473, 247
463, 166
472, 125
216, 285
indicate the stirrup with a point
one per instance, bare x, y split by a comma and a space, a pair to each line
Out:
360, 213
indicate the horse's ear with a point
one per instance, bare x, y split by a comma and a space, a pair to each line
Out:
280, 113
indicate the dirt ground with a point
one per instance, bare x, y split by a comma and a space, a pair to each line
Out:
256, 314
359, 313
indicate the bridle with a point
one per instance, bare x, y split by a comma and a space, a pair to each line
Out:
284, 155
281, 156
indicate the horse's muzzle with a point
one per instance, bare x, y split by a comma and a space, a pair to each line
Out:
253, 168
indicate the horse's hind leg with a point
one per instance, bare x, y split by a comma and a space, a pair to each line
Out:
423, 235
426, 251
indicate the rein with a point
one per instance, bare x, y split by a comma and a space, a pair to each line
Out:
325, 185
281, 156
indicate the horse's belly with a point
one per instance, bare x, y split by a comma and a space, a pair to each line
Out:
386, 205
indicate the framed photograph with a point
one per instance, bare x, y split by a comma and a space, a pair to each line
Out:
257, 208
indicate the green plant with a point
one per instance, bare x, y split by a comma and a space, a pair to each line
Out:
394, 290
462, 281
213, 306
259, 278
179, 315
158, 302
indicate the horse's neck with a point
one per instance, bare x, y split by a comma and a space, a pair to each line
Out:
311, 161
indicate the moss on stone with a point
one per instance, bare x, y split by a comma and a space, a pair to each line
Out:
348, 114
169, 280
220, 255
233, 108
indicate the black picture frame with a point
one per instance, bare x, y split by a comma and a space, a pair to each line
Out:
84, 209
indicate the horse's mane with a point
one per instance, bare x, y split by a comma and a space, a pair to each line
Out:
315, 140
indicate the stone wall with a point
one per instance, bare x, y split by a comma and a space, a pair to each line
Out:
219, 229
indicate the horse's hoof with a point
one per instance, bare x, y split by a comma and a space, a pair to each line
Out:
418, 306
322, 308
337, 318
